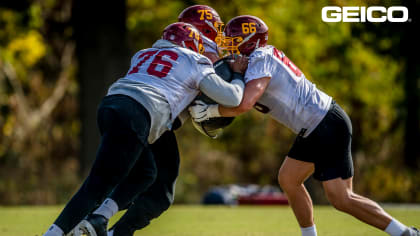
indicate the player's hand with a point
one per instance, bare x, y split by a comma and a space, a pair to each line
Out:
212, 56
202, 111
240, 63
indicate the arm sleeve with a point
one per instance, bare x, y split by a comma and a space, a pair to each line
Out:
224, 93
203, 67
259, 66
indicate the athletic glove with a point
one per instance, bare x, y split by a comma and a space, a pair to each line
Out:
201, 111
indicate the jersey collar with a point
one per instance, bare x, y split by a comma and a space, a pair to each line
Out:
161, 43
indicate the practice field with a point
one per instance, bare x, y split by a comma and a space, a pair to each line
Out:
214, 221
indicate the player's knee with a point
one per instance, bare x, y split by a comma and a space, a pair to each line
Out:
162, 203
159, 203
160, 206
284, 180
165, 205
170, 200
167, 201
280, 179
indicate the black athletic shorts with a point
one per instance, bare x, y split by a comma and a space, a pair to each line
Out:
328, 146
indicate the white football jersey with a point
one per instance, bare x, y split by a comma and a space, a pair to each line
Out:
289, 98
164, 70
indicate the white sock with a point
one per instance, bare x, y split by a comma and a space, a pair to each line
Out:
54, 230
395, 228
110, 233
108, 208
309, 231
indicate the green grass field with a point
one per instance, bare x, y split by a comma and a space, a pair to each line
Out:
214, 221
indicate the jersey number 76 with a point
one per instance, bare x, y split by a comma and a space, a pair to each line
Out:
151, 70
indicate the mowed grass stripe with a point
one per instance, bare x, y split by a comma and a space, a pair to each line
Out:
182, 220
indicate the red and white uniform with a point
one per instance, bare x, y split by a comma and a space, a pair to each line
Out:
164, 79
289, 98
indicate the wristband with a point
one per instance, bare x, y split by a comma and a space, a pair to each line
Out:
213, 111
238, 76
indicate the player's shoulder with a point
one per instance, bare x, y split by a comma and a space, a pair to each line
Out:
192, 56
141, 51
261, 53
196, 57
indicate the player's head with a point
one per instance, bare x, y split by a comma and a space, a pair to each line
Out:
244, 34
184, 35
204, 18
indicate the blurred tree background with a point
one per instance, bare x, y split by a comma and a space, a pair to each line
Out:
58, 57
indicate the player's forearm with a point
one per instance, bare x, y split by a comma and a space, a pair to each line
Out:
231, 111
252, 92
247, 104
222, 92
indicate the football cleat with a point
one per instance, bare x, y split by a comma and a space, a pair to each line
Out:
411, 231
75, 232
93, 225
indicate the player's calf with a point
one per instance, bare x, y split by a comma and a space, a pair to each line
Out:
341, 201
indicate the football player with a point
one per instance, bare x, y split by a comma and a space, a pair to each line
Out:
209, 23
276, 86
161, 82
160, 195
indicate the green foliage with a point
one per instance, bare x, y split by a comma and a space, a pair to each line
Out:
38, 137
389, 186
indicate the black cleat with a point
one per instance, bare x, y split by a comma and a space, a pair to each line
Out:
411, 231
94, 225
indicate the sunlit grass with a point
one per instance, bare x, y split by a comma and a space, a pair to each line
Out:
211, 221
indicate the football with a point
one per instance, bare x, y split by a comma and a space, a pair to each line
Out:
213, 127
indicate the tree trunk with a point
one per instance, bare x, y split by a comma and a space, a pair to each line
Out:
102, 54
409, 42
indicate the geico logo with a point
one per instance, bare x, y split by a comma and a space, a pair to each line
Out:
361, 14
